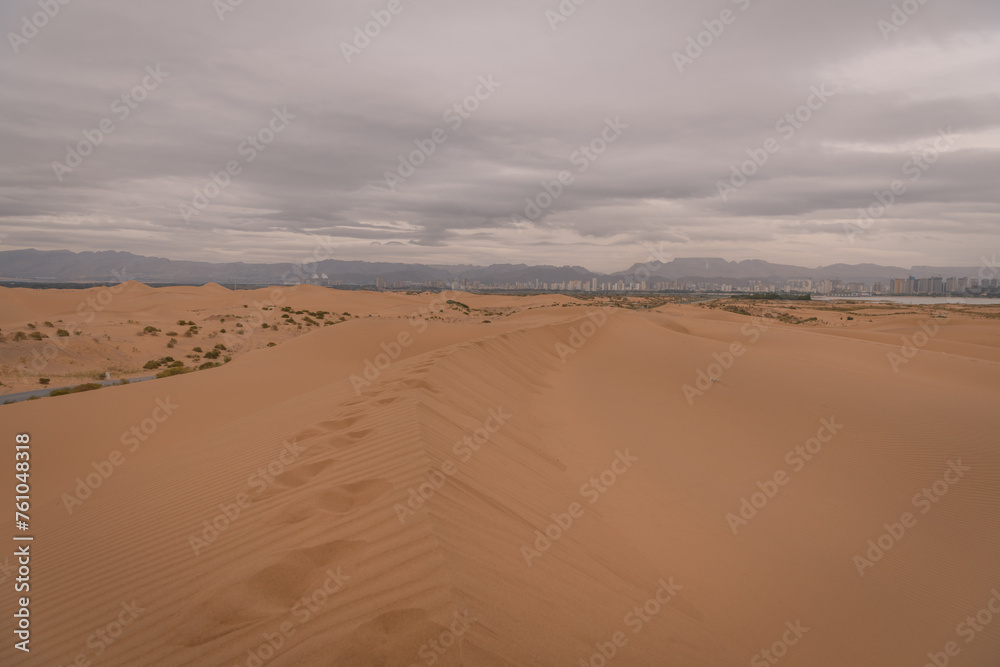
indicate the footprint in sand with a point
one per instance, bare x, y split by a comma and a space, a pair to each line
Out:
340, 424
260, 587
297, 475
336, 500
340, 441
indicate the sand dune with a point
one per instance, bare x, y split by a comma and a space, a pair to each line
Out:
561, 486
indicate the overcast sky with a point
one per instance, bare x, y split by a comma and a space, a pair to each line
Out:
533, 86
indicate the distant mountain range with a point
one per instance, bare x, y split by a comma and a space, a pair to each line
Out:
111, 266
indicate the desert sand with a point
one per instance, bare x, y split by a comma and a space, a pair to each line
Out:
505, 480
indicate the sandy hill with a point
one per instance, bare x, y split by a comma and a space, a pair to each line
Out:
563, 484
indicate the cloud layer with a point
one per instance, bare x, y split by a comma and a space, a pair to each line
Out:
478, 108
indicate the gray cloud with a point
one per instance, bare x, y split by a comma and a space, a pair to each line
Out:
324, 175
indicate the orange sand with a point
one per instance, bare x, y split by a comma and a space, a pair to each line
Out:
556, 416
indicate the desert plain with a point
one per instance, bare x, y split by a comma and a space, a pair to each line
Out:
378, 479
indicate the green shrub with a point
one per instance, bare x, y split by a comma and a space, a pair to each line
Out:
271, 344
36, 335
151, 330
43, 380
20, 335
48, 324
196, 349
179, 370
62, 333
88, 386
151, 365
208, 364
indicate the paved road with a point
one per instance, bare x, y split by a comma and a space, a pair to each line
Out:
25, 395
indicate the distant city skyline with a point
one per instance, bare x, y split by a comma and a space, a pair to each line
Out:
653, 275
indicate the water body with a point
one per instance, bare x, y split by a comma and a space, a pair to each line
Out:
913, 300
